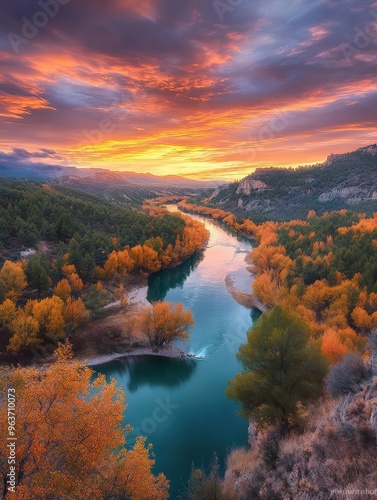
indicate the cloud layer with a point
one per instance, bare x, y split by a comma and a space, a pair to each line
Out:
197, 87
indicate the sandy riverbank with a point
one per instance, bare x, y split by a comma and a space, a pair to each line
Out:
168, 352
106, 339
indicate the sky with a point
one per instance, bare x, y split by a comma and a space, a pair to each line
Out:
208, 89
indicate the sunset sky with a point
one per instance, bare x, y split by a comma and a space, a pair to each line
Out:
201, 88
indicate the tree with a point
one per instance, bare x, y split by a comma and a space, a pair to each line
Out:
346, 376
63, 290
75, 313
62, 449
37, 270
165, 322
8, 313
95, 300
49, 315
283, 369
12, 281
25, 333
69, 270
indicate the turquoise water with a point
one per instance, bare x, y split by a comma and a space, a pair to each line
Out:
180, 405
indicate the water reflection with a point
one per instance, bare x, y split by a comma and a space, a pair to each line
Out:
151, 371
160, 283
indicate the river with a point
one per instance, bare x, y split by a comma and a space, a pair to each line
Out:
180, 405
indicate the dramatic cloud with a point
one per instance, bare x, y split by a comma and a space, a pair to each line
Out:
205, 88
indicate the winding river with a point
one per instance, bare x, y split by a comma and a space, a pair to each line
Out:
180, 404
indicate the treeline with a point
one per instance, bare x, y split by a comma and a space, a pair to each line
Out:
46, 297
244, 226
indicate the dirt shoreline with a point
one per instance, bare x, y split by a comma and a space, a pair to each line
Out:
168, 352
104, 340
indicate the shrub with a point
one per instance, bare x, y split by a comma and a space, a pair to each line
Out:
346, 376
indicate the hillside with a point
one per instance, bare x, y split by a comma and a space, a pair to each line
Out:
68, 220
111, 186
342, 181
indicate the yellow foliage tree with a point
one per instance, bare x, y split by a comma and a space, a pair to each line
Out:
63, 289
332, 347
8, 313
49, 315
70, 439
165, 322
75, 313
265, 286
69, 270
12, 280
25, 333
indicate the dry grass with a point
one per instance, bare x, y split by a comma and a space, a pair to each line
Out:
336, 450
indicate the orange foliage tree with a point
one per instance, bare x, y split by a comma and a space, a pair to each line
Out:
165, 322
70, 439
12, 280
63, 289
49, 313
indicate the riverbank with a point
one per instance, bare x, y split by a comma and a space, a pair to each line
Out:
171, 351
245, 299
118, 335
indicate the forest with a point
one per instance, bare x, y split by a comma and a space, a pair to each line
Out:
84, 249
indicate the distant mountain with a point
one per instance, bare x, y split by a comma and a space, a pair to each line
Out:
42, 171
170, 180
113, 187
342, 181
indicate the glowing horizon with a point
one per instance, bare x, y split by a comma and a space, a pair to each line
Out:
186, 88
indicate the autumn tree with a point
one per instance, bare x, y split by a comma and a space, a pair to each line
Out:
63, 289
49, 314
283, 369
70, 439
205, 486
8, 312
24, 331
165, 322
74, 313
12, 281
76, 284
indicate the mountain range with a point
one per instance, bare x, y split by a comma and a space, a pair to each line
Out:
43, 171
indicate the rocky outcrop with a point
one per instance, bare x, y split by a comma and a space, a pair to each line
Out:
248, 185
346, 192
